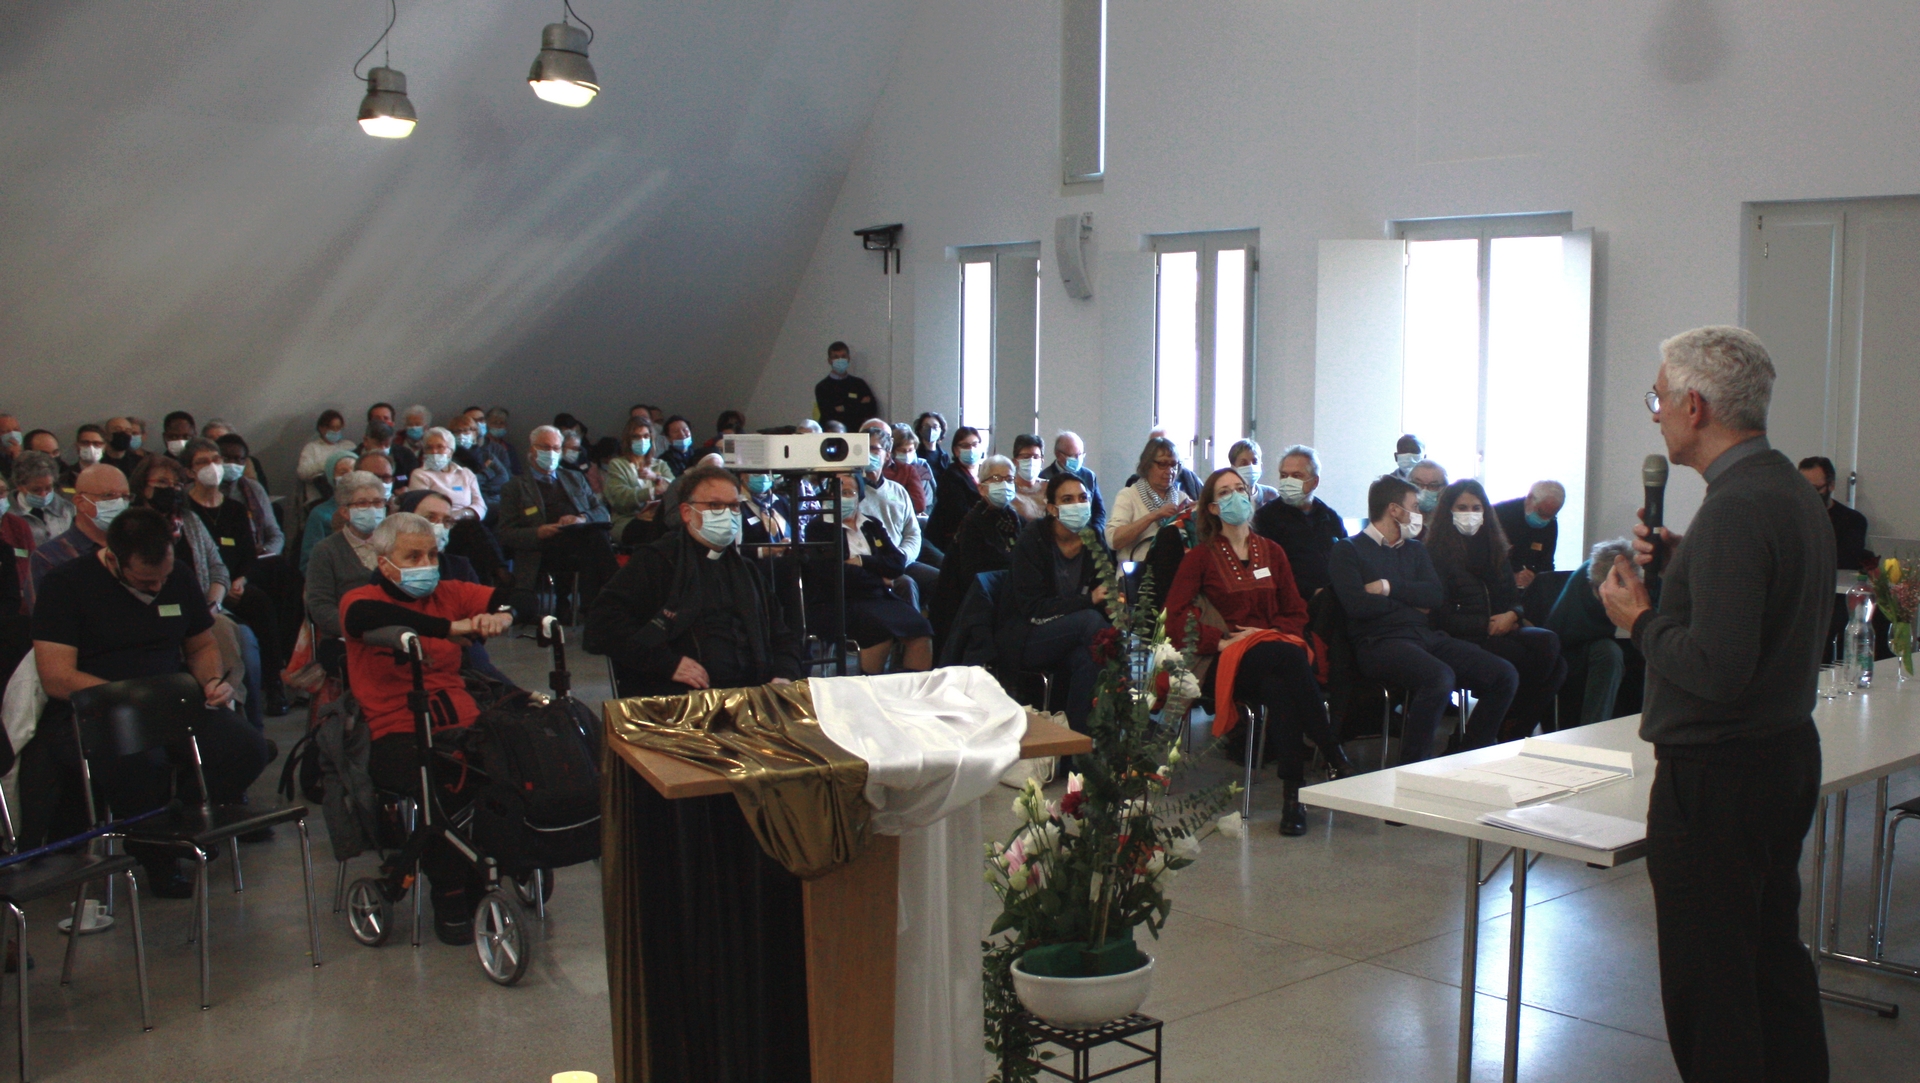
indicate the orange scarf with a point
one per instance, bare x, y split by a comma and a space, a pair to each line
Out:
1225, 715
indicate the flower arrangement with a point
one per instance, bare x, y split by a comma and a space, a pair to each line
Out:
1897, 594
1080, 874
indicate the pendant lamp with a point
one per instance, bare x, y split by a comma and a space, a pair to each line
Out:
386, 112
562, 74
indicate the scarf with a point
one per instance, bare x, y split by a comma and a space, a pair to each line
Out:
716, 600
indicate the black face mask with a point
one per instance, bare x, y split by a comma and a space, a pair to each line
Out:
120, 442
380, 430
165, 500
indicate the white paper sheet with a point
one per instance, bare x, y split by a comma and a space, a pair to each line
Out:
1578, 826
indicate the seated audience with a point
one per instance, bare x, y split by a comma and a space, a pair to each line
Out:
1428, 479
35, 499
127, 610
887, 502
1407, 453
1533, 530
407, 591
123, 445
1187, 481
12, 439
928, 428
1596, 660
499, 448
380, 465
99, 495
1149, 503
1849, 526
911, 471
957, 488
322, 516
679, 455
552, 524
438, 472
1260, 651
878, 614
329, 429
469, 450
1245, 457
731, 423
1387, 585
634, 482
679, 617
1053, 601
768, 514
454, 568
670, 500
379, 431
1070, 457
228, 522
807, 424
984, 542
1301, 522
236, 463
42, 441
345, 558
1029, 488
406, 445
1483, 607
89, 449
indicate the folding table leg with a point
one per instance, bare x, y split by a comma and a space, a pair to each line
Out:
1469, 963
1516, 961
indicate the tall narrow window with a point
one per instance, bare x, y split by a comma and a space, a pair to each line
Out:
999, 340
1203, 341
1083, 90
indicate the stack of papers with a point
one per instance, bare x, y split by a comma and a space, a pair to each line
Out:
1591, 829
1539, 771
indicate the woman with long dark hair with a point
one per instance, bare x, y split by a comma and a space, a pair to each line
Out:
1469, 550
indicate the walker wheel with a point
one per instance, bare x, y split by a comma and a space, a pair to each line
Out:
500, 936
369, 913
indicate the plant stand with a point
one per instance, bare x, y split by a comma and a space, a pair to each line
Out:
1081, 1044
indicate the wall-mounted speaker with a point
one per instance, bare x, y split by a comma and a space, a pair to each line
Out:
1070, 232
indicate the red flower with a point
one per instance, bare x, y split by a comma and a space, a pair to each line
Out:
1071, 804
1106, 645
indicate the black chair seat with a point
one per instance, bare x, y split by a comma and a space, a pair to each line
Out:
1911, 808
203, 827
58, 874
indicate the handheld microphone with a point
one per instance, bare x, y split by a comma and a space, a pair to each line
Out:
1653, 476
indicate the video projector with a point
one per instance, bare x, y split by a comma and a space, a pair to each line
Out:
807, 452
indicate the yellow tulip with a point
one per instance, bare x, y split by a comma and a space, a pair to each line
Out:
1891, 567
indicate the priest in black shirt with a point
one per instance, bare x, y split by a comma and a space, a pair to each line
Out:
842, 397
1849, 526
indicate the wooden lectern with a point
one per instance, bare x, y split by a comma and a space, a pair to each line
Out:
850, 921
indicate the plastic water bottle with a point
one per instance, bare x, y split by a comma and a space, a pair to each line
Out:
1856, 643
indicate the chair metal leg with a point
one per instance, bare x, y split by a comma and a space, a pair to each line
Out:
1884, 889
1253, 744
200, 888
20, 939
540, 892
340, 889
1386, 727
139, 951
73, 933
419, 888
233, 852
306, 870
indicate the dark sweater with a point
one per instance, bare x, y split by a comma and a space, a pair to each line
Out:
1307, 534
1532, 547
1849, 537
1579, 618
1733, 652
1032, 589
1413, 586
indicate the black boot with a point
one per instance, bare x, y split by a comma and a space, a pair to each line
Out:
1293, 817
1338, 765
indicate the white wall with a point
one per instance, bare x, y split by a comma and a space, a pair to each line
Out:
1649, 120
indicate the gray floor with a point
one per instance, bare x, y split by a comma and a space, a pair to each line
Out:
1331, 957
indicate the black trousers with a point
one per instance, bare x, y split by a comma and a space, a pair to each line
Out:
1278, 676
1535, 654
1724, 828
393, 763
583, 552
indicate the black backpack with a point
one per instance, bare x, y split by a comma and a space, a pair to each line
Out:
539, 806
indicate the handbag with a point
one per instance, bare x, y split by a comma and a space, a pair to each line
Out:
303, 671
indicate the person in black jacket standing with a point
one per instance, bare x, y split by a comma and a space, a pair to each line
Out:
1483, 607
841, 396
1733, 654
1386, 583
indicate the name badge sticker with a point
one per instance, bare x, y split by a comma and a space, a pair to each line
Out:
21, 554
170, 610
1262, 573
1537, 546
226, 541
532, 511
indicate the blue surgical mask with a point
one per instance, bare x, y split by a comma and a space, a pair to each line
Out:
415, 432
1536, 522
968, 456
1075, 517
546, 461
464, 439
1249, 473
571, 455
759, 484
1406, 462
365, 520
682, 444
849, 508
719, 528
12, 439
436, 461
417, 583
1235, 509
999, 493
441, 534
876, 462
840, 366
231, 471
331, 436
480, 429
106, 511
1073, 464
642, 445
1429, 500
134, 442
38, 501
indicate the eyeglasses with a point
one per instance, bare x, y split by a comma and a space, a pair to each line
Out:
1430, 486
714, 505
1653, 403
1167, 464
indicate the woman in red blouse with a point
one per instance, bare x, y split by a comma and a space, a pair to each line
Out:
1261, 654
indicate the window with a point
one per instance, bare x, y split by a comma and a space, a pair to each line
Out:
1203, 341
999, 338
1083, 90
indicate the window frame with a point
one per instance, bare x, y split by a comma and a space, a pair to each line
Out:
1207, 245
992, 254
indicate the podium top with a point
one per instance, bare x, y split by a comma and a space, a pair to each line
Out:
674, 778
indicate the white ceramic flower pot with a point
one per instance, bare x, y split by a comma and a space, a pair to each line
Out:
1081, 1003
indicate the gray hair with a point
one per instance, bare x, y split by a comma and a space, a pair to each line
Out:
1549, 488
1603, 556
1248, 445
538, 429
441, 433
216, 423
31, 465
808, 425
1064, 434
992, 461
881, 429
197, 445
426, 415
387, 534
1444, 476
1729, 368
355, 482
1302, 451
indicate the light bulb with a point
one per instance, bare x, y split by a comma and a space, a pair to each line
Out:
561, 74
563, 91
386, 112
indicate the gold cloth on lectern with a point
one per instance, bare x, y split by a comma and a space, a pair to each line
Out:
803, 796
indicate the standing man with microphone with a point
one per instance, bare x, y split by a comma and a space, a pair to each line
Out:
1733, 655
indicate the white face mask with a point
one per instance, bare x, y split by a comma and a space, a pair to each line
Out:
1468, 522
90, 453
1414, 522
209, 475
1028, 469
1293, 491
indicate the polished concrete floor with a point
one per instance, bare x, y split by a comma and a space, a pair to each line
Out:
1333, 957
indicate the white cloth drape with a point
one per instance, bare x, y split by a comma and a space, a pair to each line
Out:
936, 745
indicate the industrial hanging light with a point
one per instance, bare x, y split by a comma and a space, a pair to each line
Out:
561, 73
386, 112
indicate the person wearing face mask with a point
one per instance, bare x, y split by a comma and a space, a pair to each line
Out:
1054, 600
176, 429
413, 427
957, 488
887, 502
1299, 521
632, 483
325, 517
1428, 478
928, 430
124, 441
1070, 457
878, 610
129, 610
89, 449
1407, 453
678, 455
438, 473
1387, 585
1532, 524
841, 396
984, 543
454, 568
1246, 458
469, 450
494, 440
100, 494
36, 500
1484, 607
688, 611
345, 558
330, 430
553, 524
1149, 504
1029, 488
766, 516
249, 599
1236, 588
905, 466
239, 478
408, 591
12, 440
